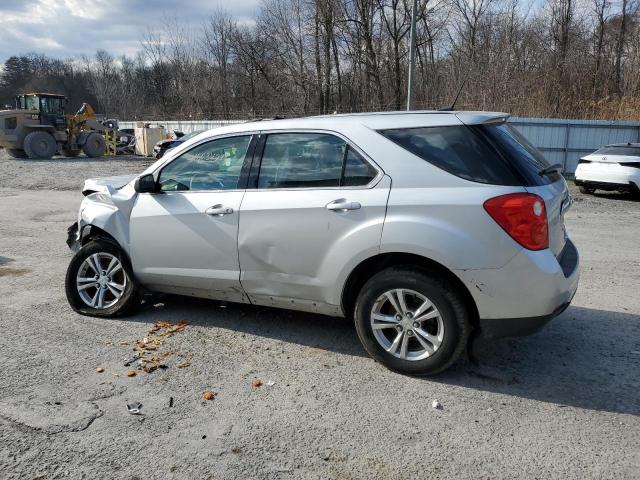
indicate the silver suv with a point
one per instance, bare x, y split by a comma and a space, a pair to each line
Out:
421, 226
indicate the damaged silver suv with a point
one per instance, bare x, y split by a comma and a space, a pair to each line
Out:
421, 226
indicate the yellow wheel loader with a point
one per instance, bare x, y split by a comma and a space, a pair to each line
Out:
39, 128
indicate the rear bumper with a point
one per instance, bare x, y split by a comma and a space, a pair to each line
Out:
526, 293
515, 327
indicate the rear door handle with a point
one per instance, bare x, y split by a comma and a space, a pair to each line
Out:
342, 205
218, 210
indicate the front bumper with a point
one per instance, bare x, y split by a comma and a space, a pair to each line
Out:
607, 176
73, 237
526, 293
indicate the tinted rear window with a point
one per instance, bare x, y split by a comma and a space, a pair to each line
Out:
513, 146
457, 149
493, 154
622, 150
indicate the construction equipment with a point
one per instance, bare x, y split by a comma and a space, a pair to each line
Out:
38, 128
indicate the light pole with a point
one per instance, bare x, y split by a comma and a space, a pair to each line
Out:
412, 54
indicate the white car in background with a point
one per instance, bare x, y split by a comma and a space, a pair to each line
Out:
614, 167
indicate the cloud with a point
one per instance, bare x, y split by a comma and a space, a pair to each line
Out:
70, 28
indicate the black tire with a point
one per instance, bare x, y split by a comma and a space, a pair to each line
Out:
16, 153
131, 296
446, 298
40, 145
94, 145
71, 153
586, 190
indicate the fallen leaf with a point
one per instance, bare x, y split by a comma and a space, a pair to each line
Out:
131, 373
208, 395
99, 369
183, 365
256, 382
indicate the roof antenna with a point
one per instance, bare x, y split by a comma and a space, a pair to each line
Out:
455, 100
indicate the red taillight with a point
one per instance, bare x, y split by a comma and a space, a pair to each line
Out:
523, 216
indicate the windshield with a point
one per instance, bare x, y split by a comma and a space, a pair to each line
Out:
191, 135
626, 150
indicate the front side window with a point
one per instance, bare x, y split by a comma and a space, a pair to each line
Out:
311, 160
215, 165
52, 106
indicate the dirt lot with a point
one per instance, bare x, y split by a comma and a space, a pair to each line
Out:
563, 403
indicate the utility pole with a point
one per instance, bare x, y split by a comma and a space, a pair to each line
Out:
412, 54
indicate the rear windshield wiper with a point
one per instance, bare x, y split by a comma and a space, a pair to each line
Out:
555, 168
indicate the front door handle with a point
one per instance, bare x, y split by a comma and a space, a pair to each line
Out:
342, 205
218, 210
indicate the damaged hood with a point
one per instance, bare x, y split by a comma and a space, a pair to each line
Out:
102, 184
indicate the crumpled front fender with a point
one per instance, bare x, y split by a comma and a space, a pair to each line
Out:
110, 212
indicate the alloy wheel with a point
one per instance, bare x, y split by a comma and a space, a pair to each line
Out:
101, 280
407, 324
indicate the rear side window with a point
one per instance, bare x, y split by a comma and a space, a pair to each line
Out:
459, 150
311, 160
357, 171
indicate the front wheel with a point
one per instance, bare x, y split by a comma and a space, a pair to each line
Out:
100, 282
586, 190
412, 322
94, 145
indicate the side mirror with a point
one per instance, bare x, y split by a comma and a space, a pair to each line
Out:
145, 184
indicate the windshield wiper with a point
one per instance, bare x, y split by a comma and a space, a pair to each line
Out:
555, 168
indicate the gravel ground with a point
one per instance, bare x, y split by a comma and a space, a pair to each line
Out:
563, 403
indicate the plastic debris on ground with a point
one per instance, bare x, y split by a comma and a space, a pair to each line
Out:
134, 408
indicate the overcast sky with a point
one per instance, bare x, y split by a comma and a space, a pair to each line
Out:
67, 28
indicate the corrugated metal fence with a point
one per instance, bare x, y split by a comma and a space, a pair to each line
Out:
561, 141
565, 141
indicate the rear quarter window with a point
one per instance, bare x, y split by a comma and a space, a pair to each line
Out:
460, 150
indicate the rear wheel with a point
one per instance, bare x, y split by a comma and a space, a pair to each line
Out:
16, 153
587, 190
94, 145
412, 322
100, 283
40, 145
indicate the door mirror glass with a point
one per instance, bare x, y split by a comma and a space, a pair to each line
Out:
145, 184
215, 165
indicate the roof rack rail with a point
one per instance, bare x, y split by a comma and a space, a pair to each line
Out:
264, 119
